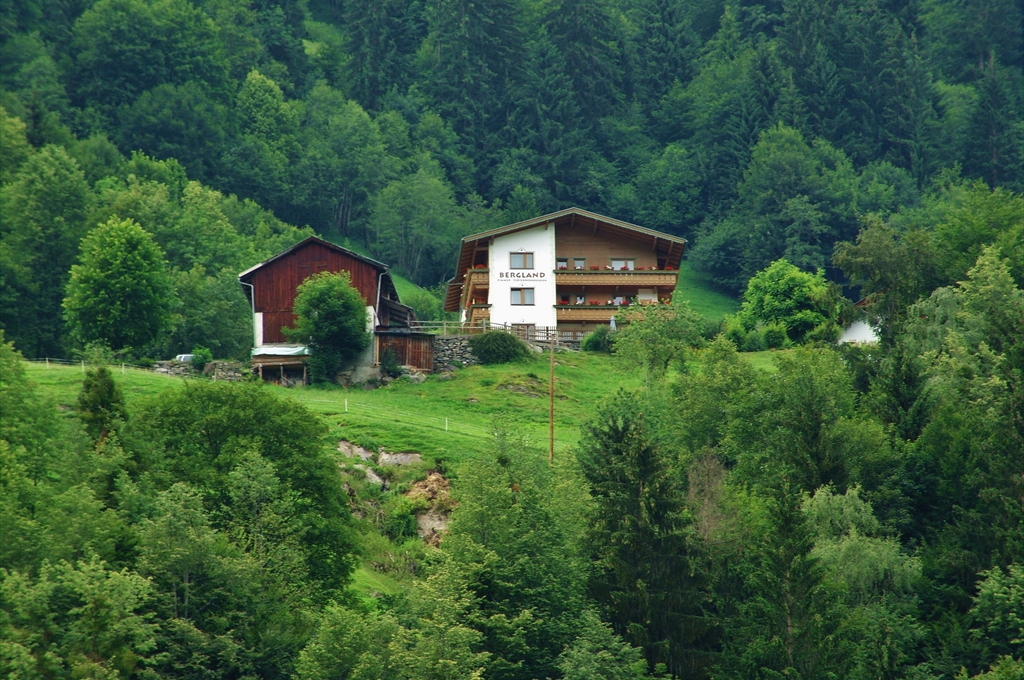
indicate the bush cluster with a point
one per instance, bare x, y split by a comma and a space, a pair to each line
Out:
598, 341
498, 347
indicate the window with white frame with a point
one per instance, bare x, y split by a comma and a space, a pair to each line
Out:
579, 263
623, 264
522, 296
520, 260
562, 263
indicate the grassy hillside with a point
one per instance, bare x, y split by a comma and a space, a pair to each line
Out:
702, 296
405, 416
441, 419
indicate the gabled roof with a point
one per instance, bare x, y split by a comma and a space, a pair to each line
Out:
386, 282
247, 274
673, 245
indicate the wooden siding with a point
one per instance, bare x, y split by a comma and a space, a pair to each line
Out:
276, 283
598, 247
416, 350
644, 279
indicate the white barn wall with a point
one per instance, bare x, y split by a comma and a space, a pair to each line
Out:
541, 242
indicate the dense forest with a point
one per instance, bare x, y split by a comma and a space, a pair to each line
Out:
757, 131
850, 513
854, 513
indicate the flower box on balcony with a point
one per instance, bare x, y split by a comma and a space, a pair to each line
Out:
594, 267
593, 302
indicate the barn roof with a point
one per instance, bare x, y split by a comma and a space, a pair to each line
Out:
386, 282
673, 246
247, 274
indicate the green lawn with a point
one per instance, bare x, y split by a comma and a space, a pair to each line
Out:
61, 383
703, 298
441, 419
452, 419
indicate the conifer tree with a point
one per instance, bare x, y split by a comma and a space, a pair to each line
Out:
645, 574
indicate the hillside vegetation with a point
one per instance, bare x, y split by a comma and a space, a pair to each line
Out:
758, 131
712, 511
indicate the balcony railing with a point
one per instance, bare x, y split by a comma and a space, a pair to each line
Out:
622, 277
477, 277
478, 313
586, 312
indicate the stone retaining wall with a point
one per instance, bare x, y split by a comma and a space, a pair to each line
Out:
230, 371
452, 350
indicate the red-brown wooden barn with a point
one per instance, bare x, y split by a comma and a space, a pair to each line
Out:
271, 287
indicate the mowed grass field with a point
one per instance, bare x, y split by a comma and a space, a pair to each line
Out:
450, 420
703, 298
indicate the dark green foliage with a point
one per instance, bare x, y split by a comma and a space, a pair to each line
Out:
200, 357
389, 365
120, 293
498, 347
600, 340
44, 220
100, 403
646, 574
205, 430
331, 321
518, 539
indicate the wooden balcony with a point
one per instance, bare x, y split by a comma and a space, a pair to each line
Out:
478, 314
585, 313
477, 278
608, 277
475, 287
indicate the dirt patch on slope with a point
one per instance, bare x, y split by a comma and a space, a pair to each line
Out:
435, 491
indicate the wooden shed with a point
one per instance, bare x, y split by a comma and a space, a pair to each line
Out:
271, 287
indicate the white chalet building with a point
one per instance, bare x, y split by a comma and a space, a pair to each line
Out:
572, 270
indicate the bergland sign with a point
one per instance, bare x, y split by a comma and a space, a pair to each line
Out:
524, 275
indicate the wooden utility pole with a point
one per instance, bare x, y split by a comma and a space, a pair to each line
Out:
553, 338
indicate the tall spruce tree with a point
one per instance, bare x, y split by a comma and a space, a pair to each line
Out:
470, 60
585, 34
381, 37
644, 573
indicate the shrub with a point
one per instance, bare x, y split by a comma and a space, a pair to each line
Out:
826, 333
399, 520
200, 357
498, 347
389, 365
598, 341
754, 342
101, 402
774, 335
735, 332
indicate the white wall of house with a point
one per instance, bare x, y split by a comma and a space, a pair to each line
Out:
541, 242
257, 329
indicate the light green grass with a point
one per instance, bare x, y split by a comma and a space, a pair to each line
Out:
366, 582
410, 417
703, 298
450, 420
61, 383
765, 361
